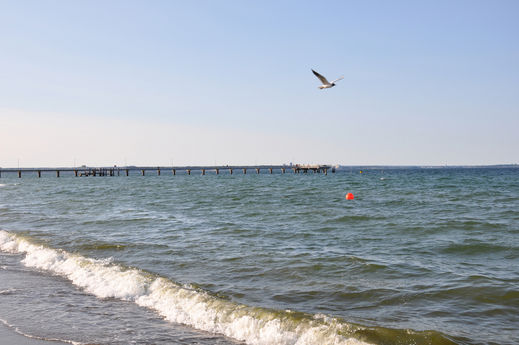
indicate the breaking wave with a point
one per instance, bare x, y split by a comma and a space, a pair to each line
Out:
189, 305
181, 304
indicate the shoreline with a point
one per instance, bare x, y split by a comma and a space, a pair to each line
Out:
10, 336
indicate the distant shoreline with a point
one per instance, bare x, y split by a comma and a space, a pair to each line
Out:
430, 166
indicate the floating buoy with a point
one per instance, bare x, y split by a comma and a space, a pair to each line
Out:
349, 196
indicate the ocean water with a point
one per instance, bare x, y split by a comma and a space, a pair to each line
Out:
420, 256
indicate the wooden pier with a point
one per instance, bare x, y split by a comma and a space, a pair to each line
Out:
85, 171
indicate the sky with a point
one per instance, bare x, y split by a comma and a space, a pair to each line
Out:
229, 82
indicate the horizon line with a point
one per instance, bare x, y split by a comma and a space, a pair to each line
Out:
237, 166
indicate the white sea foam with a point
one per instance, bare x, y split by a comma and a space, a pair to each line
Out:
11, 184
181, 304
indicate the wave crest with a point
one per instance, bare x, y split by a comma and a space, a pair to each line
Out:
182, 304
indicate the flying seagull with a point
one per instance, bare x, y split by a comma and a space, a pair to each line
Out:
326, 83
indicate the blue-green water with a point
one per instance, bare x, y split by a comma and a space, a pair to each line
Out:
420, 256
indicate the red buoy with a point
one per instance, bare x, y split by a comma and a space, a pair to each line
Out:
349, 196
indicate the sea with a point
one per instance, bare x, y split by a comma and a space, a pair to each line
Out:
419, 256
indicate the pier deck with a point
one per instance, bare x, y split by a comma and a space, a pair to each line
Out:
158, 170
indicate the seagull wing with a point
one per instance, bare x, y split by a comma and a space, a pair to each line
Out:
338, 79
321, 78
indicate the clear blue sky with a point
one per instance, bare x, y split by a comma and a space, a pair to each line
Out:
230, 82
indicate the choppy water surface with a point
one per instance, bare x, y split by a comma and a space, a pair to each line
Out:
421, 256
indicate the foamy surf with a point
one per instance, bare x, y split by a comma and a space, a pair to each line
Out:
8, 291
183, 304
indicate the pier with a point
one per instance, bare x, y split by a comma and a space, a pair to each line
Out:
85, 171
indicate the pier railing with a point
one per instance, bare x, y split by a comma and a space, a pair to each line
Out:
172, 170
